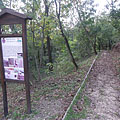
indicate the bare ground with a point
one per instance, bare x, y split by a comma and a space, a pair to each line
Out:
103, 88
50, 97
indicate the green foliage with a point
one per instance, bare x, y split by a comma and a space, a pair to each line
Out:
62, 65
115, 16
100, 32
85, 30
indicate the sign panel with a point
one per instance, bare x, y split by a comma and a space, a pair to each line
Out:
13, 58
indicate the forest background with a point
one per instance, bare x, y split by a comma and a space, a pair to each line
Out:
63, 32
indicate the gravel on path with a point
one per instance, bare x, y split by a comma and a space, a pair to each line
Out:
103, 89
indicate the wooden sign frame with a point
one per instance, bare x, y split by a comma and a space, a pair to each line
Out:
11, 17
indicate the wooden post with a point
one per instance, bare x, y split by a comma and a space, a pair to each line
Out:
26, 70
3, 82
11, 17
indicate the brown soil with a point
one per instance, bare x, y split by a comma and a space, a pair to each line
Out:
50, 97
103, 88
116, 47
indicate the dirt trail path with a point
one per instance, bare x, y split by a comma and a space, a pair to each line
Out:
103, 89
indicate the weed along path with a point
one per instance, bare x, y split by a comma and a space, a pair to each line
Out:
50, 97
103, 89
99, 98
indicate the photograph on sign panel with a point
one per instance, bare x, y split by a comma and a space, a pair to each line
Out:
13, 58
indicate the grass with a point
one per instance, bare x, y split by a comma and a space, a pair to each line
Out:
51, 88
80, 114
78, 109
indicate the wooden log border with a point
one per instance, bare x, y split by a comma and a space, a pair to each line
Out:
86, 76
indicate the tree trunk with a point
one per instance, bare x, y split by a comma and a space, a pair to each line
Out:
95, 51
86, 32
37, 67
49, 49
99, 45
48, 37
68, 46
110, 46
36, 60
64, 36
42, 45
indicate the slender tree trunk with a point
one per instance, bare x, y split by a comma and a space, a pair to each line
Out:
49, 49
42, 45
95, 51
35, 57
106, 47
86, 32
64, 36
101, 44
99, 47
48, 37
37, 67
110, 46
68, 46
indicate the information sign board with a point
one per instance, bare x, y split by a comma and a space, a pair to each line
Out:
13, 58
13, 53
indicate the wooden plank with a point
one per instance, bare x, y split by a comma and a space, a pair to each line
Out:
13, 12
3, 82
14, 81
26, 70
78, 91
10, 35
8, 19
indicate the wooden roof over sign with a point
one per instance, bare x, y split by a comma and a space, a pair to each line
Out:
12, 12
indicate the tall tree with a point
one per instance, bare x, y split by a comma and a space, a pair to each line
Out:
58, 13
47, 5
86, 14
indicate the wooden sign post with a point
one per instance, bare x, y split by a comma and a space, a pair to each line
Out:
13, 54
